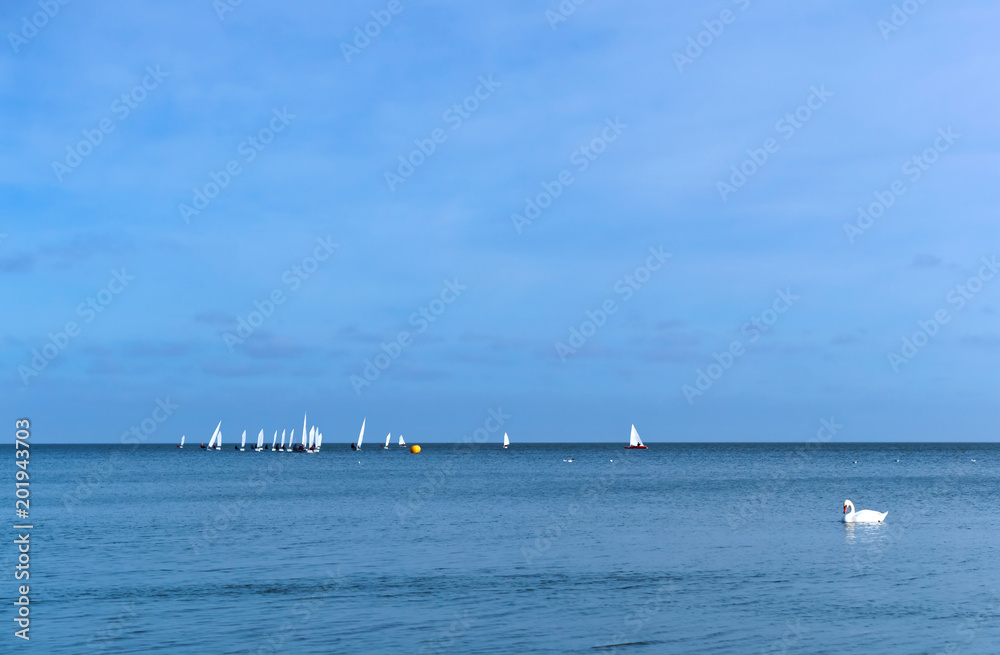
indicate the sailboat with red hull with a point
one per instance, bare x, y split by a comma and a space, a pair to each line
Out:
634, 442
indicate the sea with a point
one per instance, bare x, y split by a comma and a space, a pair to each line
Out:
540, 548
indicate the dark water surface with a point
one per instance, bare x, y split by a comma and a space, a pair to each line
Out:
677, 549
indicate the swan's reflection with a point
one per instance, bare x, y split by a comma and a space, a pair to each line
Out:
863, 533
869, 543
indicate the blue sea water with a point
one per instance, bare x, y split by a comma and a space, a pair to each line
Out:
681, 548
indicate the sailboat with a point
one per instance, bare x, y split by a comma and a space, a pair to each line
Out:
634, 442
291, 438
305, 435
215, 435
319, 440
402, 443
218, 444
260, 441
506, 440
274, 442
387, 437
361, 436
181, 445
312, 439
243, 442
282, 446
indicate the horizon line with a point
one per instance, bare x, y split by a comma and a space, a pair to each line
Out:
557, 443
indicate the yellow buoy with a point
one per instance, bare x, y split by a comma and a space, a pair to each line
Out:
414, 449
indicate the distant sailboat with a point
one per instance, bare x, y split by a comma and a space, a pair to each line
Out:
260, 441
634, 442
319, 440
218, 444
305, 434
291, 438
274, 443
361, 436
506, 440
243, 442
312, 439
387, 438
215, 435
402, 443
282, 446
182, 442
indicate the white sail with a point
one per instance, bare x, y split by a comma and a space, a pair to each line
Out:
182, 441
506, 440
401, 442
260, 439
387, 437
282, 440
243, 441
362, 435
304, 433
275, 441
312, 438
215, 435
291, 438
319, 440
634, 439
218, 444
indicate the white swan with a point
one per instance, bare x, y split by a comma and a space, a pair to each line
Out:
864, 516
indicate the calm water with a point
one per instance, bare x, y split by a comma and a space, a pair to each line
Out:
678, 549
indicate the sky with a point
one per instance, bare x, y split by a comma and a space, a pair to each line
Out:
718, 221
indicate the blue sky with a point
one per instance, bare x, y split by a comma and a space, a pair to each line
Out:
551, 88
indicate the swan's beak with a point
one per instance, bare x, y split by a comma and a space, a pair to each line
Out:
845, 509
